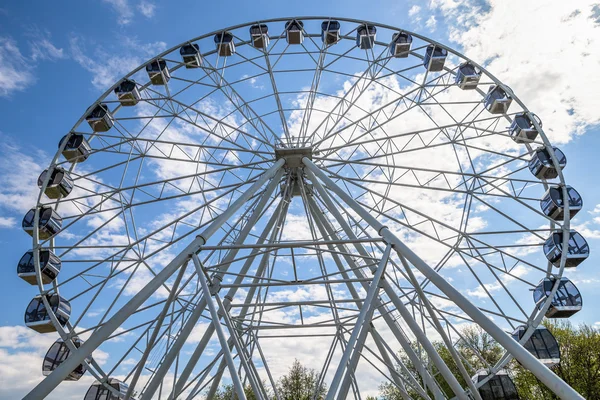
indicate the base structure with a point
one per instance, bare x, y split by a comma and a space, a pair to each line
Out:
350, 248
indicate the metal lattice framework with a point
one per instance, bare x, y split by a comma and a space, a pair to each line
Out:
324, 200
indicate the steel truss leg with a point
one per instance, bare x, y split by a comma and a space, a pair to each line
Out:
46, 386
400, 307
159, 322
387, 360
193, 360
361, 327
317, 216
528, 360
200, 307
261, 268
404, 342
237, 384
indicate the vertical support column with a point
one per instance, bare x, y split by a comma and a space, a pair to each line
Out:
528, 360
199, 309
237, 384
250, 224
46, 386
159, 322
354, 344
400, 307
328, 230
261, 267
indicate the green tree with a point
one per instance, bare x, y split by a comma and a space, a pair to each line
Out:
227, 392
300, 383
579, 363
474, 341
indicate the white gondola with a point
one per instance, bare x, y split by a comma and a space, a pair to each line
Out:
497, 100
499, 387
158, 72
50, 223
37, 317
522, 128
128, 93
224, 44
259, 34
190, 53
294, 31
541, 344
100, 118
401, 43
365, 36
49, 266
60, 183
566, 302
59, 352
77, 149
330, 32
467, 76
541, 165
578, 249
553, 205
435, 58
99, 392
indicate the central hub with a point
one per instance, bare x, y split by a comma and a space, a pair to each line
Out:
293, 155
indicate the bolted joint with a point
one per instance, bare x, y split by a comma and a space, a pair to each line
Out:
226, 305
215, 284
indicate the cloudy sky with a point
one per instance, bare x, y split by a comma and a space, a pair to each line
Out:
55, 60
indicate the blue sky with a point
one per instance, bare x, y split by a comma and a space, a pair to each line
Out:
57, 58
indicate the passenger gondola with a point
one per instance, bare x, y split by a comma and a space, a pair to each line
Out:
365, 36
294, 31
100, 119
467, 76
128, 93
499, 387
541, 344
37, 317
401, 43
541, 165
497, 100
224, 44
59, 352
50, 223
190, 53
49, 266
60, 183
330, 32
259, 34
435, 57
158, 72
77, 149
578, 249
522, 128
553, 205
566, 302
99, 392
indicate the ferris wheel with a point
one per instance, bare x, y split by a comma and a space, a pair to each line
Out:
329, 189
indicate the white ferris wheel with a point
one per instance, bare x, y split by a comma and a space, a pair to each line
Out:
326, 188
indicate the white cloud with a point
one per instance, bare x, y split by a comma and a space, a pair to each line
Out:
21, 354
16, 72
147, 8
558, 82
19, 190
123, 10
108, 70
7, 222
431, 23
414, 10
43, 49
